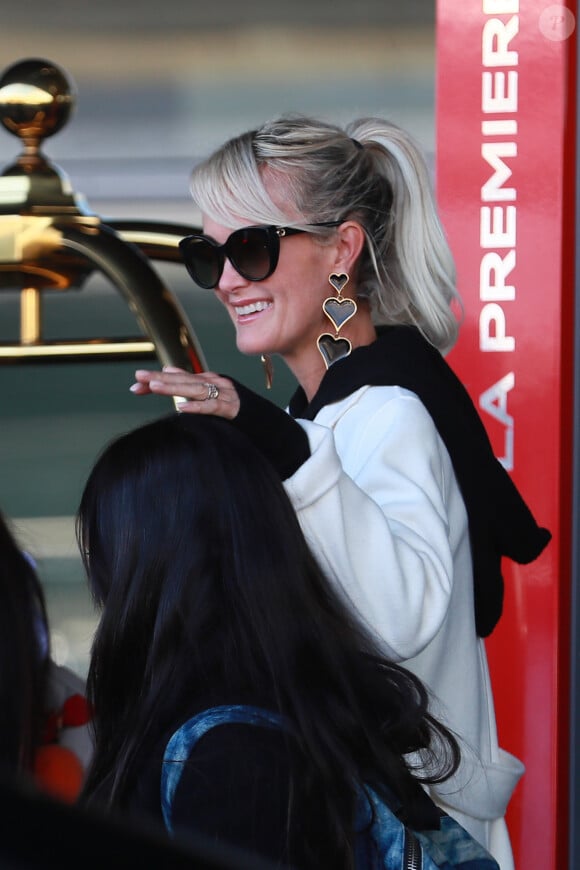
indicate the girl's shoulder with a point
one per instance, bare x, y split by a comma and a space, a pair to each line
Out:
248, 785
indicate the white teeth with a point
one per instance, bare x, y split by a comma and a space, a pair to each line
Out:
252, 308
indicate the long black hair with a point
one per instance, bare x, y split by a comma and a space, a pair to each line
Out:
195, 554
23, 656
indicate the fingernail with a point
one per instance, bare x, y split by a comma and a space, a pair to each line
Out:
134, 387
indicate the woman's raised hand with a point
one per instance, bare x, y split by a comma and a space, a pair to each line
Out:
205, 393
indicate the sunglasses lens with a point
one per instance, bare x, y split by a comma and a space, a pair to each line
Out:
251, 252
202, 260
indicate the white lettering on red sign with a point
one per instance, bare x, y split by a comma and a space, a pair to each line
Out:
494, 402
498, 219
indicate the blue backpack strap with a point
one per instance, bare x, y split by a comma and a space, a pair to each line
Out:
452, 846
383, 841
182, 742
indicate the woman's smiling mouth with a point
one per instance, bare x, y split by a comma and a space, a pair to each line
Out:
251, 308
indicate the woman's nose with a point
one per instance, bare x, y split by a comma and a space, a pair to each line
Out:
230, 280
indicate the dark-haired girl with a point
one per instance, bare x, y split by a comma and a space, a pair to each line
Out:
210, 596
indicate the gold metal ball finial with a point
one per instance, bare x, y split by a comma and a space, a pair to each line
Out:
36, 100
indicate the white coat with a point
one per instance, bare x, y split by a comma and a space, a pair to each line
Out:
380, 506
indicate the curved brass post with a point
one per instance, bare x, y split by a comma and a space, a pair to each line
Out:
155, 308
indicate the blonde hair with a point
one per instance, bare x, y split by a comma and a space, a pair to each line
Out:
372, 172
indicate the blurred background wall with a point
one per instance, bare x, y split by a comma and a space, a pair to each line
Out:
158, 86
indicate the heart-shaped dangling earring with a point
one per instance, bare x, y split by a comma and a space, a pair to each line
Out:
332, 349
339, 311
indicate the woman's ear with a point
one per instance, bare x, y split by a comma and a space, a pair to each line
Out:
351, 240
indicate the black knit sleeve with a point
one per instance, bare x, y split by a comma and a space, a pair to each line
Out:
274, 432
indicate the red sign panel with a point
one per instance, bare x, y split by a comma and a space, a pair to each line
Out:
506, 152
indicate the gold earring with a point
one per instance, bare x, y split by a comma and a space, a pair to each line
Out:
339, 311
268, 367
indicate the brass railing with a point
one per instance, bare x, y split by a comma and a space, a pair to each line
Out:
51, 242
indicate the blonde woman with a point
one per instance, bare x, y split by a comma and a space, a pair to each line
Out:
325, 247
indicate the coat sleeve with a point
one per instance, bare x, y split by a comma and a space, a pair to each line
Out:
372, 501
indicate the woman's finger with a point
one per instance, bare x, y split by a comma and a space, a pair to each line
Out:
140, 389
218, 397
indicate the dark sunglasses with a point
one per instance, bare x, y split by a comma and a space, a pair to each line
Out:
252, 251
